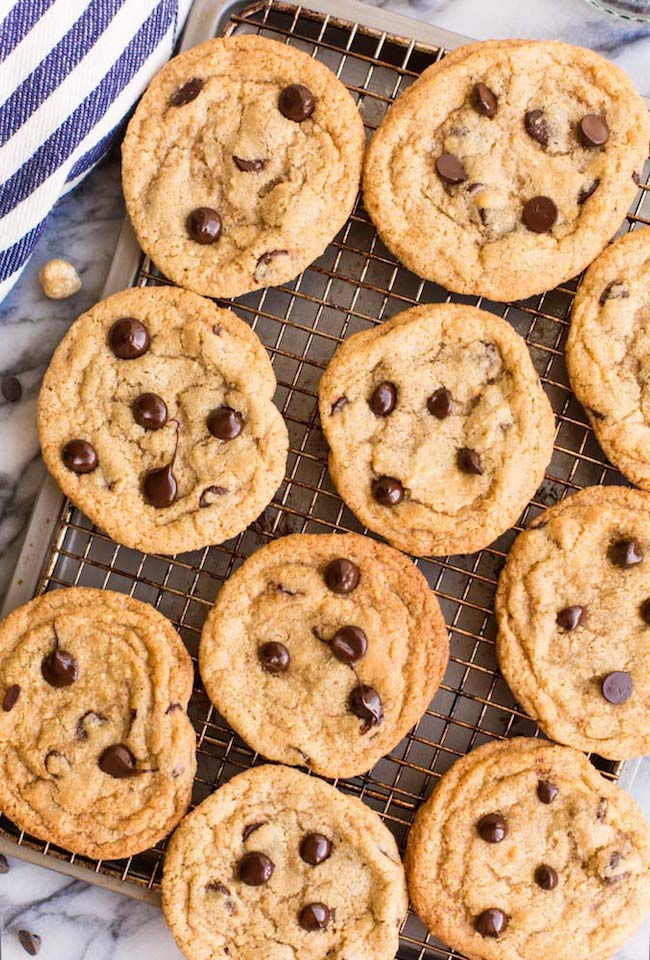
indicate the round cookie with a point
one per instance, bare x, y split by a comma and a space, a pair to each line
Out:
156, 419
241, 164
505, 168
439, 428
278, 864
524, 851
608, 353
324, 650
573, 607
97, 754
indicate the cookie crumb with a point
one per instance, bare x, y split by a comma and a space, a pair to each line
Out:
59, 279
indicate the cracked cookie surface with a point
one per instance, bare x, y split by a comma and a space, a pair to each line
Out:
524, 851
574, 621
438, 426
323, 650
156, 419
525, 167
261, 136
97, 754
282, 865
608, 353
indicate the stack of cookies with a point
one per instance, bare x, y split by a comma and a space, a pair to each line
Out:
503, 171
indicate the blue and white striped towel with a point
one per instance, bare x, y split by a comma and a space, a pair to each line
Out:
70, 71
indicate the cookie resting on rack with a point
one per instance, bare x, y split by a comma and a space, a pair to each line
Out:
241, 163
507, 166
97, 754
573, 607
156, 419
323, 650
278, 864
438, 426
525, 852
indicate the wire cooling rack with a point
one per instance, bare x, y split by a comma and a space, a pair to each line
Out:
353, 286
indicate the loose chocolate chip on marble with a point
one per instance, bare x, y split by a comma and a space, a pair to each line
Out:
4, 864
315, 916
159, 486
251, 828
128, 338
594, 131
11, 389
617, 686
249, 166
10, 698
188, 92
483, 100
30, 942
255, 869
645, 611
274, 657
546, 877
491, 923
587, 192
625, 553
614, 291
493, 828
224, 423
204, 225
150, 411
450, 169
539, 214
59, 668
315, 848
349, 645
537, 127
383, 399
387, 491
296, 102
364, 702
339, 404
117, 761
341, 575
439, 403
211, 494
469, 461
570, 617
87, 721
547, 791
79, 456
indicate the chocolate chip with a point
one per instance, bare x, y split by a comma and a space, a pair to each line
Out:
645, 611
546, 877
255, 869
383, 399
249, 166
296, 102
224, 423
315, 848
570, 617
387, 491
128, 338
339, 404
30, 942
483, 100
625, 553
204, 225
349, 645
173, 707
617, 686
11, 389
56, 764
491, 923
210, 495
547, 791
587, 192
150, 411
450, 169
537, 127
263, 262
493, 828
364, 702
469, 461
159, 486
594, 131
215, 886
539, 214
11, 697
59, 668
341, 575
117, 761
315, 916
251, 828
614, 291
4, 864
89, 719
274, 657
188, 92
603, 803
439, 403
79, 456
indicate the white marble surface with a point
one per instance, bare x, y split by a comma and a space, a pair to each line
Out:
77, 922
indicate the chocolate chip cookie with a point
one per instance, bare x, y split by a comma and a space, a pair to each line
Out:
608, 353
156, 419
96, 749
323, 650
241, 163
505, 168
524, 851
573, 606
278, 864
439, 428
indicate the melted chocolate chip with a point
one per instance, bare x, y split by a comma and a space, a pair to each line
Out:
349, 645
10, 698
645, 611
469, 461
617, 686
547, 791
274, 657
150, 411
11, 389
224, 423
173, 707
263, 263
117, 761
450, 169
594, 131
339, 404
341, 575
439, 403
188, 92
59, 668
614, 291
537, 127
625, 553
315, 848
30, 942
88, 720
546, 877
491, 923
587, 192
79, 456
296, 102
56, 764
387, 491
315, 916
128, 338
483, 100
251, 828
249, 166
159, 486
364, 702
255, 869
493, 828
539, 214
603, 803
204, 225
215, 886
210, 495
570, 617
383, 399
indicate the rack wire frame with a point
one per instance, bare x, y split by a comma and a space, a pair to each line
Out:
356, 284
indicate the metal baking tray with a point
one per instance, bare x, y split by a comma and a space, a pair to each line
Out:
355, 284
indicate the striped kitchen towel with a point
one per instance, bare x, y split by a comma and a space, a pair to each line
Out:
70, 70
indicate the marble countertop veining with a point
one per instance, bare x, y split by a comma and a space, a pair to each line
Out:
76, 921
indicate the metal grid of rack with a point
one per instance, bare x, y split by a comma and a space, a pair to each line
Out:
355, 284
